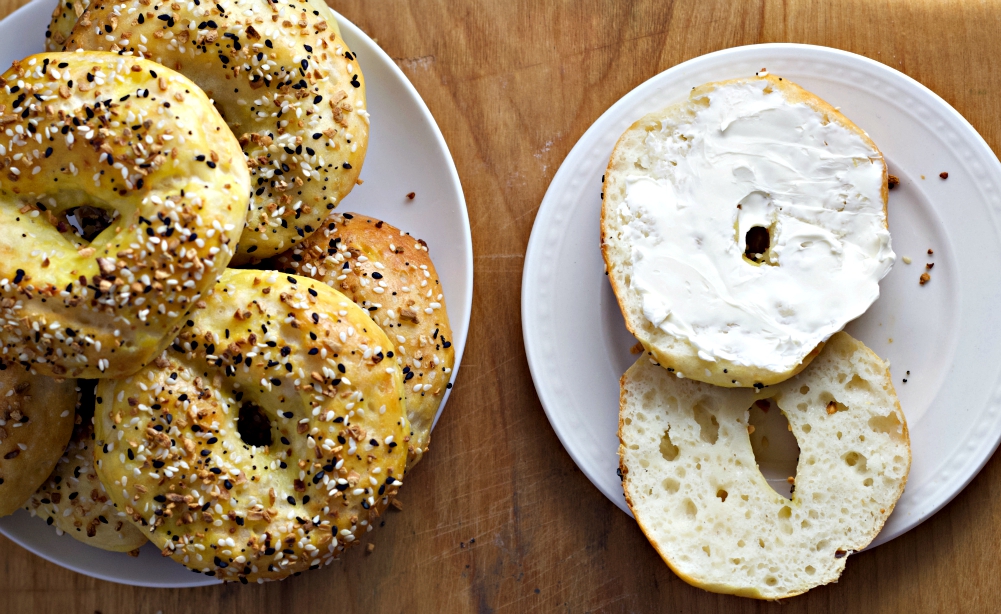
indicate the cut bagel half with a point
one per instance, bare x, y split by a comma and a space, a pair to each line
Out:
692, 481
742, 227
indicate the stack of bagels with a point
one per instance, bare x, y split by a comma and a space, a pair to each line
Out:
742, 229
250, 422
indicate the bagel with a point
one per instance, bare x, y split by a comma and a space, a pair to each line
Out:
742, 227
36, 421
64, 17
66, 14
95, 132
690, 477
390, 275
302, 121
285, 353
73, 499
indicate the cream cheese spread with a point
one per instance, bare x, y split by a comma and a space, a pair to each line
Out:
752, 159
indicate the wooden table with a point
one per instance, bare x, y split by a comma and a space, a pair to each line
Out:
498, 517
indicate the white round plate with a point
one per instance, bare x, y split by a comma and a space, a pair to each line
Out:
946, 333
406, 153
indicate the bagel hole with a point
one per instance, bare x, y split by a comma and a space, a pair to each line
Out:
88, 222
774, 445
253, 426
757, 242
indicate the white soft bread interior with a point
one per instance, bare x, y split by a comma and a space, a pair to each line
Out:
691, 479
743, 226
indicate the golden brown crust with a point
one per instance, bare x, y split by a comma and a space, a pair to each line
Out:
284, 79
73, 500
178, 186
36, 421
389, 274
686, 360
307, 366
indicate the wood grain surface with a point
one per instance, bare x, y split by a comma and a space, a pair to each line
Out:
498, 518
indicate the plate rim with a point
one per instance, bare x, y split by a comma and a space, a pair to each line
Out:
460, 329
534, 252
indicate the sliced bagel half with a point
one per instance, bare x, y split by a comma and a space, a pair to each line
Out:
691, 479
742, 227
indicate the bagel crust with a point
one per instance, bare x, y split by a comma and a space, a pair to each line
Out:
390, 275
282, 77
143, 144
36, 421
74, 501
691, 479
64, 17
315, 366
742, 227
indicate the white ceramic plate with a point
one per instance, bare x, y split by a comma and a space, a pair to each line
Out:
946, 333
406, 153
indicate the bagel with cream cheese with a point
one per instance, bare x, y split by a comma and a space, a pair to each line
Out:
742, 227
390, 275
36, 421
285, 81
143, 151
73, 500
690, 476
268, 438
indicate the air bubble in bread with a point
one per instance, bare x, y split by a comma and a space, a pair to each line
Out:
691, 479
742, 227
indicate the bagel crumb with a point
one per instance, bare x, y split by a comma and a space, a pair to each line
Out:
412, 195
369, 548
929, 265
636, 349
906, 259
944, 175
892, 181
925, 278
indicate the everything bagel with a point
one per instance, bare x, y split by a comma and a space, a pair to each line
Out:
389, 274
286, 83
36, 421
742, 227
143, 147
267, 439
64, 17
74, 501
